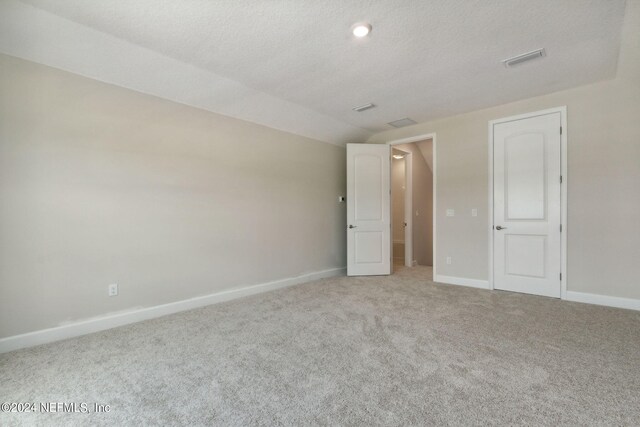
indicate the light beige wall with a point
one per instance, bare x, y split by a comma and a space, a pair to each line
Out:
604, 178
100, 184
422, 200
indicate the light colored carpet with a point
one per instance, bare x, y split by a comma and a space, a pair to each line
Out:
396, 350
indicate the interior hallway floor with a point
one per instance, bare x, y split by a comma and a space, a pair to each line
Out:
393, 350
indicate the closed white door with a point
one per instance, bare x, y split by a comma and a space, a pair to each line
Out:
368, 210
527, 205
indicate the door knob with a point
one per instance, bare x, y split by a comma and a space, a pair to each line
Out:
499, 227
353, 226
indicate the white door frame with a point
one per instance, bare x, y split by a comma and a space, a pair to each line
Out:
563, 190
408, 239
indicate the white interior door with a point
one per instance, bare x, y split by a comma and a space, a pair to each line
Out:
368, 210
527, 205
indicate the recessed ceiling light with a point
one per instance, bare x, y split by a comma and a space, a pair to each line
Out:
361, 29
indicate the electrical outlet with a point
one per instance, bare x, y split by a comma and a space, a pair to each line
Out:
113, 289
474, 212
449, 260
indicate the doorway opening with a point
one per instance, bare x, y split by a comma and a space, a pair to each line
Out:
412, 204
400, 206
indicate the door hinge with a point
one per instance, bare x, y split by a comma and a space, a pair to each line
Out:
560, 130
560, 179
561, 228
561, 277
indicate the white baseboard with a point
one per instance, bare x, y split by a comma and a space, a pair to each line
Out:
618, 302
119, 319
462, 281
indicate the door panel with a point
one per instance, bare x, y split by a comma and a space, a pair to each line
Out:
367, 187
525, 181
368, 210
525, 255
527, 167
368, 247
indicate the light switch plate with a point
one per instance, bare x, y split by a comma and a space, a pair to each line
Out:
474, 212
451, 212
113, 290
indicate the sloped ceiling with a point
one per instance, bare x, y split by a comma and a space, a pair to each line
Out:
293, 64
426, 148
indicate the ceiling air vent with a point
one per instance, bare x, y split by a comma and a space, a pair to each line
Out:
364, 107
402, 123
519, 59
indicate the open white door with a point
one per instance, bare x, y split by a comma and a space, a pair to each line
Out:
527, 205
368, 209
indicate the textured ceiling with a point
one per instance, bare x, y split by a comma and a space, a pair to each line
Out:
293, 64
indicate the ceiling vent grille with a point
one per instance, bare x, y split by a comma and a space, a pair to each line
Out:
364, 107
519, 59
402, 123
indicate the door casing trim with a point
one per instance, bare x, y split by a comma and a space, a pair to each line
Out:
563, 190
